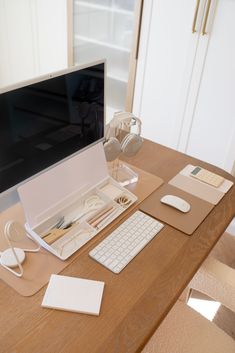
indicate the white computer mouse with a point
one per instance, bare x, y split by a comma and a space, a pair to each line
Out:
176, 202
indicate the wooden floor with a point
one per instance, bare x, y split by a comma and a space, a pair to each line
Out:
224, 318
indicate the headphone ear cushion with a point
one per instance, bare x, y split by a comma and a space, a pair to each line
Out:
131, 144
112, 149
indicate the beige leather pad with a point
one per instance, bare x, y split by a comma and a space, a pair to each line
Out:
197, 188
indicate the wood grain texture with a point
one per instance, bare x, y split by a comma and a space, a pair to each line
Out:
135, 301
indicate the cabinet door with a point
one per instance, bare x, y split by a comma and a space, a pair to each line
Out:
166, 59
212, 135
105, 29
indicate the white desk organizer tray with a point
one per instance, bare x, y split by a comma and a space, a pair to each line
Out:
68, 205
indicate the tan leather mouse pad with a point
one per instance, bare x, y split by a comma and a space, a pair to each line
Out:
185, 222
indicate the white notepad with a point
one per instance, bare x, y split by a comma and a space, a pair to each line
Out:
74, 294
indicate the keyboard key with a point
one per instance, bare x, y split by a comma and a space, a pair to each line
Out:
126, 241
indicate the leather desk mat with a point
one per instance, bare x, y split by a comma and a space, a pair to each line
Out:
185, 222
38, 267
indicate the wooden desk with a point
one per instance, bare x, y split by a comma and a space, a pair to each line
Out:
136, 301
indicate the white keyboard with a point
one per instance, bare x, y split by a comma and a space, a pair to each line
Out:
126, 241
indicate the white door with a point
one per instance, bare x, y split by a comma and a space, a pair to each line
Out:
169, 41
212, 133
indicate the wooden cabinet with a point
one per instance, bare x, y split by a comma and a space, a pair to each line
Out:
186, 77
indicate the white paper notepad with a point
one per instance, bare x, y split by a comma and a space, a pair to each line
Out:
74, 294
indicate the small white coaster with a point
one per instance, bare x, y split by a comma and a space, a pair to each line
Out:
74, 294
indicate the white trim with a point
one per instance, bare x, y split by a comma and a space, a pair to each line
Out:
35, 42
142, 57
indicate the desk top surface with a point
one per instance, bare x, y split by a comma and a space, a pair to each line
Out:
135, 301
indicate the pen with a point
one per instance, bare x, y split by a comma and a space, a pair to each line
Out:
107, 219
96, 221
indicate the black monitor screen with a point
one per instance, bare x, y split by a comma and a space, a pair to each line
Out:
45, 122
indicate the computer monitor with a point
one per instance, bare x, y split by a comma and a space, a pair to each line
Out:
47, 120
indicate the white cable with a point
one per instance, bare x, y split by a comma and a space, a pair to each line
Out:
13, 257
8, 257
14, 228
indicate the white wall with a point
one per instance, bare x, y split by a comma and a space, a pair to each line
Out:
33, 38
33, 42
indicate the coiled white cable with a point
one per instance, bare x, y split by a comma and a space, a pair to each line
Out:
13, 257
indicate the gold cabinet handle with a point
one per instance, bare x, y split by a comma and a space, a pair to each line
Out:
141, 9
206, 17
195, 17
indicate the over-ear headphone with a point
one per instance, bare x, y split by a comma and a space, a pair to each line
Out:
130, 144
13, 257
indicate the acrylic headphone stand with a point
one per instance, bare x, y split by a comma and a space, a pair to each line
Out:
123, 174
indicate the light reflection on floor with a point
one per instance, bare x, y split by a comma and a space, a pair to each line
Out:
207, 308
